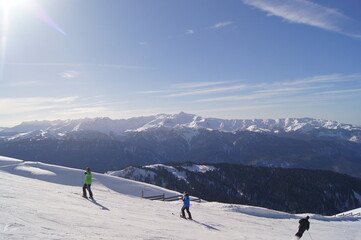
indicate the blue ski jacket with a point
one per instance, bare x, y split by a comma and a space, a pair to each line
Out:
186, 201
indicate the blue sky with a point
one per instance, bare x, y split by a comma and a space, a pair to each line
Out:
239, 59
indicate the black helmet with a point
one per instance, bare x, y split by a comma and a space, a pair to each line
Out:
88, 169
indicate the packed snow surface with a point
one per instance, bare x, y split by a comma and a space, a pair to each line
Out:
199, 168
174, 171
137, 172
41, 201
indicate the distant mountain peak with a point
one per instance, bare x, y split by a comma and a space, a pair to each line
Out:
181, 120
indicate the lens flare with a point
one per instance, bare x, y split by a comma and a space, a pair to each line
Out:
6, 3
39, 12
6, 6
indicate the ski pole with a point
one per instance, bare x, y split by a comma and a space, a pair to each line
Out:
310, 235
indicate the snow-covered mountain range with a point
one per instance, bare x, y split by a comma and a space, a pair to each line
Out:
42, 201
61, 129
107, 144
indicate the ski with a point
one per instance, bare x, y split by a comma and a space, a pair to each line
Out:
181, 216
90, 199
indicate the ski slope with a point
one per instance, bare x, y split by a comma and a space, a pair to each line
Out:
42, 201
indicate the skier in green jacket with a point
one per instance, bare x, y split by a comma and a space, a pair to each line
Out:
87, 184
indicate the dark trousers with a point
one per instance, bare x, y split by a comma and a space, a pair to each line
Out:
189, 213
300, 232
87, 186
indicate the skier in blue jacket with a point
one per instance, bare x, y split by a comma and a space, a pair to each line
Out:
186, 205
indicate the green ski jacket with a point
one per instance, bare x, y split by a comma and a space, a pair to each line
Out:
88, 178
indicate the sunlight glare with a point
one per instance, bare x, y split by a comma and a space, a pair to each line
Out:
6, 4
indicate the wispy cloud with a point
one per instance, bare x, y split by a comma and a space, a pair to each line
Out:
221, 25
207, 91
55, 108
69, 74
25, 83
341, 91
155, 91
239, 108
320, 89
196, 88
75, 65
330, 78
128, 113
80, 111
198, 84
241, 97
24, 105
190, 32
304, 12
66, 100
291, 90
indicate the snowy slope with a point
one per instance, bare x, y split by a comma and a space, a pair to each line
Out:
141, 174
41, 201
351, 213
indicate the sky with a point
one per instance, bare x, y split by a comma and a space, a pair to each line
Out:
231, 59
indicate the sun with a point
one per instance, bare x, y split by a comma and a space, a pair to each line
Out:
6, 4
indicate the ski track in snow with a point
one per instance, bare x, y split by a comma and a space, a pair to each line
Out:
50, 206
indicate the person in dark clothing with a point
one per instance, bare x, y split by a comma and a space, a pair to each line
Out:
304, 225
186, 205
87, 184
